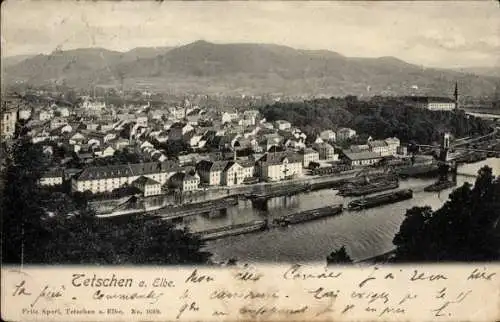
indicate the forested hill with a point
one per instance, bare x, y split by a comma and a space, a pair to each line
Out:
377, 118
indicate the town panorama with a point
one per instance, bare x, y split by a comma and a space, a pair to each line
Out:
228, 153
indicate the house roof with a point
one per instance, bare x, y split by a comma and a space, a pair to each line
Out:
392, 140
307, 151
127, 170
359, 148
246, 163
211, 166
51, 173
323, 145
145, 181
182, 176
278, 157
345, 129
377, 143
178, 125
365, 155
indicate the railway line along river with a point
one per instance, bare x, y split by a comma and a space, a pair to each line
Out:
365, 233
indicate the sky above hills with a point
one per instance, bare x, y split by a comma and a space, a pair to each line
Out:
435, 34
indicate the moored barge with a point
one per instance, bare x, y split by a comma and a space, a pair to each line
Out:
197, 208
308, 215
440, 185
233, 230
382, 199
280, 192
369, 188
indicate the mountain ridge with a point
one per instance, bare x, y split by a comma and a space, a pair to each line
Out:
243, 68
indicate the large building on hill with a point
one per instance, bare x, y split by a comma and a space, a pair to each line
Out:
108, 178
431, 103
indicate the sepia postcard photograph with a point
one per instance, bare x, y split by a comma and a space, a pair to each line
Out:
320, 139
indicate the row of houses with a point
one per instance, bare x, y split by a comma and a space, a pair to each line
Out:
153, 176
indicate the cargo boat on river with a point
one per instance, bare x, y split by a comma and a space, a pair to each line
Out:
369, 188
440, 185
196, 208
382, 199
308, 215
232, 230
278, 193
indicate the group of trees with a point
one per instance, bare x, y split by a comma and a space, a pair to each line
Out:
46, 226
465, 228
376, 118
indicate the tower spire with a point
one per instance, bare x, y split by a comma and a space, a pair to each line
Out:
456, 95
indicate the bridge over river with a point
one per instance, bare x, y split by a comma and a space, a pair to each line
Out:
487, 116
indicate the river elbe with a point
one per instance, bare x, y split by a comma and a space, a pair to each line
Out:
365, 233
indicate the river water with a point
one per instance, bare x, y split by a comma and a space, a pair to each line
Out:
365, 233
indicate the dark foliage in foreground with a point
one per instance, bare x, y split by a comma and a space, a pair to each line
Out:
465, 228
49, 227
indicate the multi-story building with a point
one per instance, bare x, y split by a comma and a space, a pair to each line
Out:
364, 158
45, 115
25, 113
276, 166
9, 119
328, 135
250, 117
229, 116
380, 147
53, 177
227, 173
393, 145
210, 172
345, 134
233, 174
142, 120
184, 182
148, 186
248, 168
109, 178
326, 151
308, 156
283, 125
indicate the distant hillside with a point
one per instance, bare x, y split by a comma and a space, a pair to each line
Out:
245, 68
144, 52
13, 60
482, 71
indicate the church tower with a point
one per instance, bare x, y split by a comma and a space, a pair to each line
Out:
455, 96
